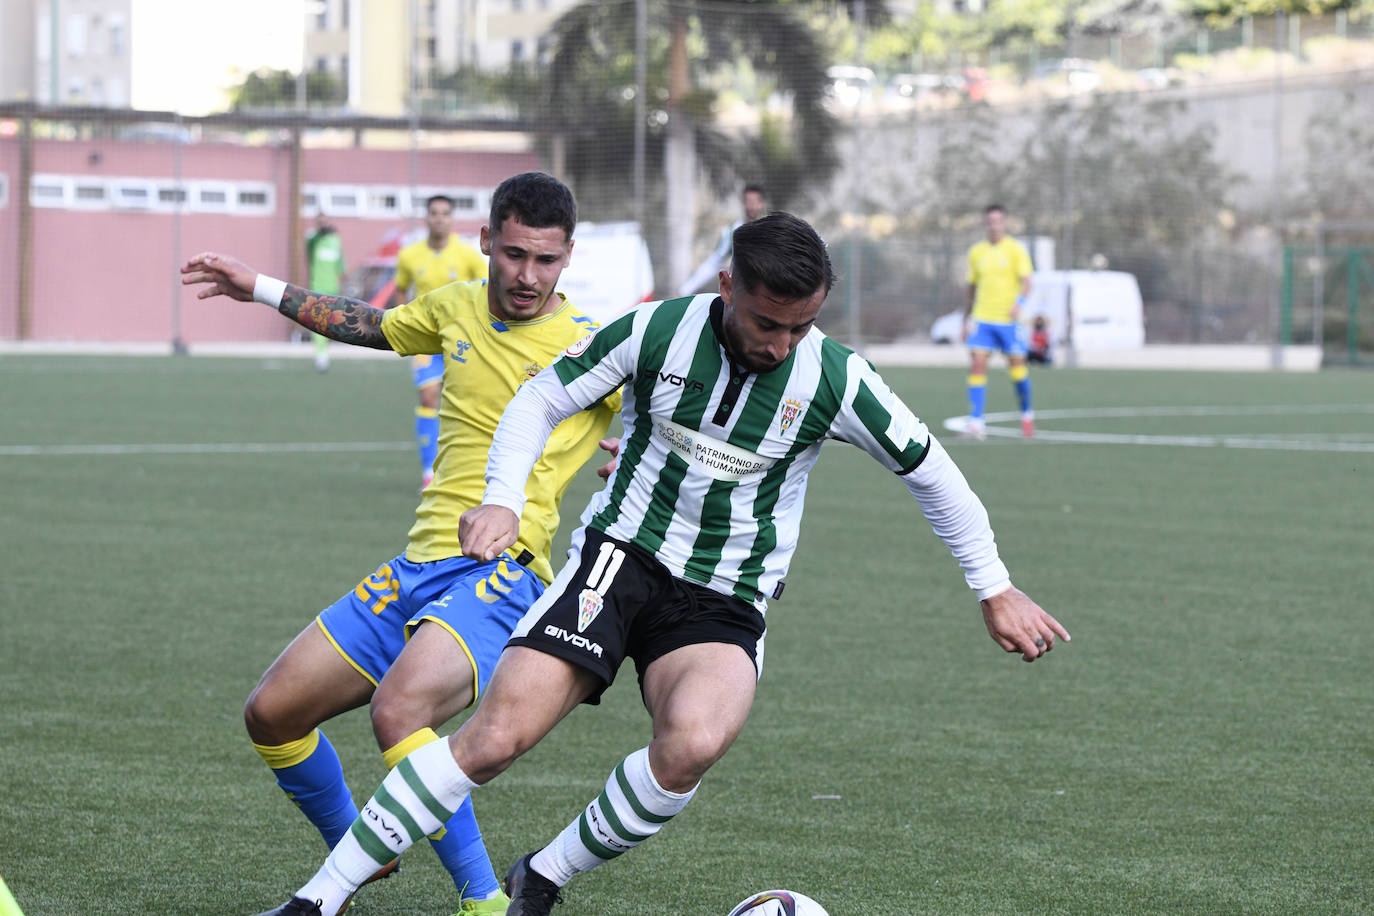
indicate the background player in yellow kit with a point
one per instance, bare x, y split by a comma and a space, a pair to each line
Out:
436, 260
999, 272
420, 636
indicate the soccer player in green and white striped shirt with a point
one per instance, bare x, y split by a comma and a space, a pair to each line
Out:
727, 401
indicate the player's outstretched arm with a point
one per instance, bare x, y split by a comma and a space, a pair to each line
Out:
340, 318
1018, 624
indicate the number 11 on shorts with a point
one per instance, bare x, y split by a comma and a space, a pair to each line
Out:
589, 601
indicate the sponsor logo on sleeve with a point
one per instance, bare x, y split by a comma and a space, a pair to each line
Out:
582, 344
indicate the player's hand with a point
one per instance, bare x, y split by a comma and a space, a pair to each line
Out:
1018, 624
485, 531
610, 444
227, 276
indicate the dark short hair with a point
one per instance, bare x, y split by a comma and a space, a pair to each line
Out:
994, 208
756, 188
536, 199
436, 197
784, 255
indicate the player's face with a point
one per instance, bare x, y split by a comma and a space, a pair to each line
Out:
761, 329
439, 219
525, 266
754, 205
995, 221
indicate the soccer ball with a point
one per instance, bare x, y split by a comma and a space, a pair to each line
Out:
778, 903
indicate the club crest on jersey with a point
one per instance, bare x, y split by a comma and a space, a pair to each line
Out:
460, 347
791, 409
588, 606
580, 347
532, 370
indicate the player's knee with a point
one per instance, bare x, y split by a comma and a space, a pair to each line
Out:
395, 718
689, 753
489, 745
266, 722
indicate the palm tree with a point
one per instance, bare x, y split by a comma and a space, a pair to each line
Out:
694, 48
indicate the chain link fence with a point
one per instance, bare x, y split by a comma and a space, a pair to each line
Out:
1192, 161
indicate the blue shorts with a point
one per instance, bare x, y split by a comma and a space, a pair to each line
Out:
1005, 338
478, 603
426, 370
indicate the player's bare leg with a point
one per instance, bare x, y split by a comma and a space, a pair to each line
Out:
431, 681
528, 694
308, 684
699, 697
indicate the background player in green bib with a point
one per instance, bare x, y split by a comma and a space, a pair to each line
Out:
727, 402
436, 260
999, 272
420, 636
325, 259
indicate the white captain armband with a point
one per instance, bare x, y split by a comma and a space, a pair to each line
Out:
269, 290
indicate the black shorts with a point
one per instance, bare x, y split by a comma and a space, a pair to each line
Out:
614, 600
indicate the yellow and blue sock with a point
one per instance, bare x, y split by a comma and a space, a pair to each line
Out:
458, 843
310, 774
427, 435
977, 395
1020, 380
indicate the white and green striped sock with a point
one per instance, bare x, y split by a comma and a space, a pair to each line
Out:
632, 808
414, 800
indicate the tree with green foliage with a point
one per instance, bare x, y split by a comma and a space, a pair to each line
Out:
698, 52
276, 89
1340, 161
1223, 13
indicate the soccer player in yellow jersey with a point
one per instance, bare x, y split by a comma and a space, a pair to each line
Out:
437, 260
419, 637
999, 272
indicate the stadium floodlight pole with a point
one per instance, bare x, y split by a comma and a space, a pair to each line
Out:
178, 343
1276, 293
54, 94
852, 286
641, 112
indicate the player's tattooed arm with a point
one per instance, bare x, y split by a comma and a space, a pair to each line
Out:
340, 318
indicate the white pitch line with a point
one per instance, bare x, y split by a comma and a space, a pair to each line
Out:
1313, 442
203, 448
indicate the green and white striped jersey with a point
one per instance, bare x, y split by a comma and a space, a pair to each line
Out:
714, 461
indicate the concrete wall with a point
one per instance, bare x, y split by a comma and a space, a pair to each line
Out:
111, 274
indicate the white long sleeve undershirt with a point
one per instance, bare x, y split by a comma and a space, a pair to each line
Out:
959, 519
530, 418
950, 506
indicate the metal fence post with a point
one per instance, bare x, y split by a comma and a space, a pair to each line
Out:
24, 314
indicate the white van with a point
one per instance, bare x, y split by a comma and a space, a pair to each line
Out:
1092, 309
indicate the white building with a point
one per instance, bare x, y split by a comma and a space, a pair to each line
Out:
80, 59
387, 52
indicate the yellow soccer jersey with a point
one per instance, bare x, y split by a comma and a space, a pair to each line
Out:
424, 268
995, 272
485, 362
